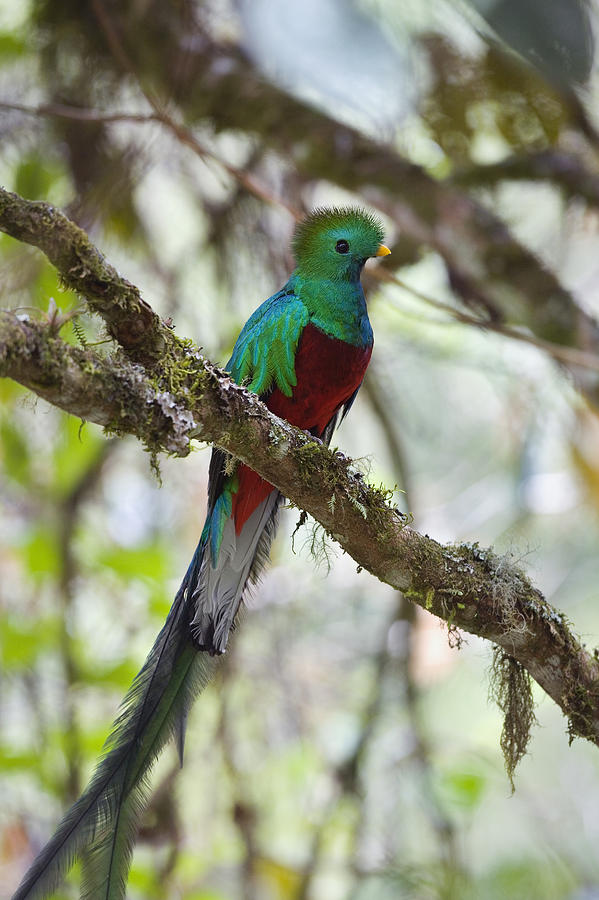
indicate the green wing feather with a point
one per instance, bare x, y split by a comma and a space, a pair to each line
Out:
264, 354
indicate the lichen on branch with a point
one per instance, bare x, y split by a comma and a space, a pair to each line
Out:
181, 395
130, 320
511, 689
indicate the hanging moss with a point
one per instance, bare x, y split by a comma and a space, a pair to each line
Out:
511, 689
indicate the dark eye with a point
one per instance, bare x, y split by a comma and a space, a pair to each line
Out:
342, 247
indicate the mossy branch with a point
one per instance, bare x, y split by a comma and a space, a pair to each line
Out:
110, 391
184, 396
470, 588
130, 320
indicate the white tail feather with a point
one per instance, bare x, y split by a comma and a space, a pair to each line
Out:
221, 584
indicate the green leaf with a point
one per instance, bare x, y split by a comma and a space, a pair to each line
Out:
118, 676
12, 760
149, 561
22, 642
35, 176
465, 789
14, 452
41, 553
12, 46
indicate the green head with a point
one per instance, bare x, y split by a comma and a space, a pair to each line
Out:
335, 243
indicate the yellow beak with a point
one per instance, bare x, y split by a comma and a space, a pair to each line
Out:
382, 251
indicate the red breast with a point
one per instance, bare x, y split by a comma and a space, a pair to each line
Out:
328, 372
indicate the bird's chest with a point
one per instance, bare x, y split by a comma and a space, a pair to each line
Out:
328, 372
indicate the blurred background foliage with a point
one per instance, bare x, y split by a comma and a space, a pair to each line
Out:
347, 748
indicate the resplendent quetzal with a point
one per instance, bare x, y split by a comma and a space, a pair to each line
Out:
304, 352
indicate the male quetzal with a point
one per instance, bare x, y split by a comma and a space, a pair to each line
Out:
304, 352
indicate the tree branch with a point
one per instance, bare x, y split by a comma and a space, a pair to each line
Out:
468, 587
185, 396
108, 391
556, 166
130, 320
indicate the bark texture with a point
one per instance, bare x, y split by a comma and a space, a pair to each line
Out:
181, 395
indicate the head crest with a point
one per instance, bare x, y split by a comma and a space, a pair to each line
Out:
333, 218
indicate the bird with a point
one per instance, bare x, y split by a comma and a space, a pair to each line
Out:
304, 352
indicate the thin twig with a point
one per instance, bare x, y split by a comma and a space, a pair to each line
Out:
80, 114
161, 117
570, 356
182, 133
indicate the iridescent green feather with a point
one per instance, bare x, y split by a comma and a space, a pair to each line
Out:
314, 242
223, 507
264, 355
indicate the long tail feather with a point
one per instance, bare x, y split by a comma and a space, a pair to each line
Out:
104, 819
101, 826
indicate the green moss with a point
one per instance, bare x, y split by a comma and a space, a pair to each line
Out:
180, 371
79, 331
580, 703
312, 464
321, 550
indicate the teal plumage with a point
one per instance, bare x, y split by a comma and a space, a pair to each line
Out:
277, 324
304, 351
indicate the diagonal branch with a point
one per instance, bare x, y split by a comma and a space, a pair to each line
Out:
109, 391
466, 586
184, 396
130, 320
